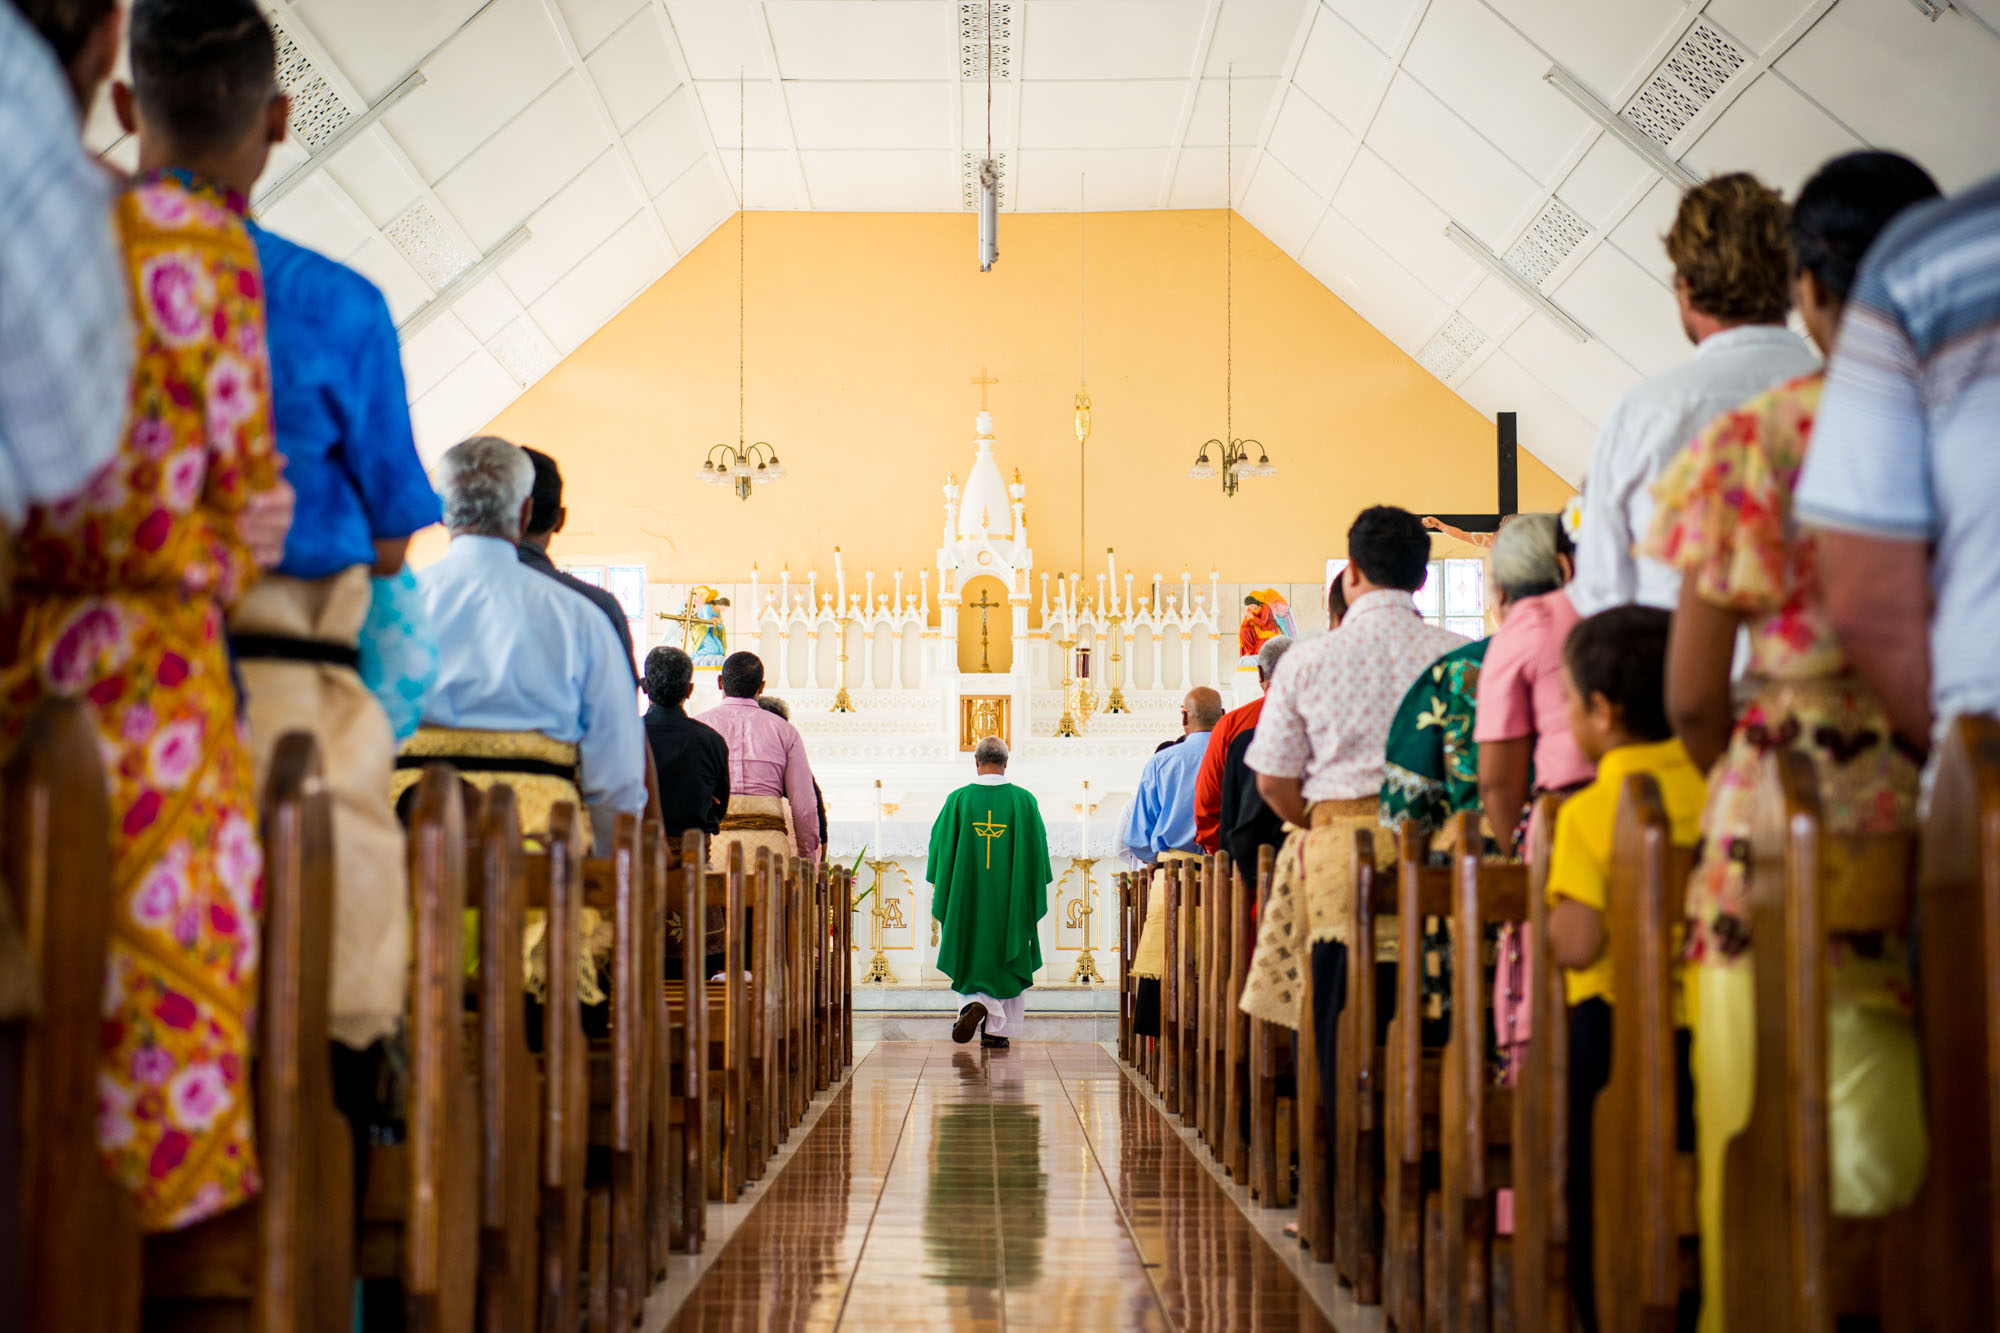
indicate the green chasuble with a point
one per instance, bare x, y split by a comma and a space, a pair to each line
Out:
989, 871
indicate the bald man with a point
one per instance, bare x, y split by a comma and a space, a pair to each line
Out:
1159, 828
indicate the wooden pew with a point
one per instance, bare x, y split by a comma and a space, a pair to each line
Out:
1411, 1080
1315, 1143
1475, 1135
1122, 883
759, 1060
71, 1231
725, 1052
1357, 1113
564, 1077
1270, 1149
510, 1099
1169, 1081
686, 1054
1643, 1184
1540, 1249
286, 1260
1201, 967
1188, 991
1957, 1279
1240, 939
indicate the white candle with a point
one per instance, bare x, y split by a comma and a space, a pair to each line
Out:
899, 587
839, 578
878, 819
1111, 564
1086, 819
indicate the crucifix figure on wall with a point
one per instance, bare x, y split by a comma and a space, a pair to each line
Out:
983, 381
1479, 529
985, 604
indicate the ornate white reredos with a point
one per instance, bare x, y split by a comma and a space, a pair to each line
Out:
984, 528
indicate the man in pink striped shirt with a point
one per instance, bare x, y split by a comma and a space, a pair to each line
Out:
771, 800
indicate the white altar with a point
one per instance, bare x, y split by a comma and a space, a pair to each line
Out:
883, 680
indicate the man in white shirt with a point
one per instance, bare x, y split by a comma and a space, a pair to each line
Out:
1732, 280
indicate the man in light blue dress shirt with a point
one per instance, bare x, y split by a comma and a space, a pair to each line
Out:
1159, 825
520, 653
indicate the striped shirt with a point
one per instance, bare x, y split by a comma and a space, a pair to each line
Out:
1907, 444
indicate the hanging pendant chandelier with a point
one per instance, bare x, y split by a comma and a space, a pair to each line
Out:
1233, 453
741, 464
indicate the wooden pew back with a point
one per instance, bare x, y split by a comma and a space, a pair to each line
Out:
1541, 1114
511, 1114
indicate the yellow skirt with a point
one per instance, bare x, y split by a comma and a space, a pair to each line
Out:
1310, 897
1150, 958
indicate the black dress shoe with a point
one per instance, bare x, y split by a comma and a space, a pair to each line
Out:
970, 1020
992, 1043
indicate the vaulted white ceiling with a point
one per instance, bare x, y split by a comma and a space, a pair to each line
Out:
513, 172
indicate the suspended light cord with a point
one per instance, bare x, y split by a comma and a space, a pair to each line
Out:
989, 81
1082, 285
1228, 262
742, 208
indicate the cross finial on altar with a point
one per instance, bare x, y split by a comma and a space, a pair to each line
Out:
982, 381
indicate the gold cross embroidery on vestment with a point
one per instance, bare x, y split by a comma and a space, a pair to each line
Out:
988, 830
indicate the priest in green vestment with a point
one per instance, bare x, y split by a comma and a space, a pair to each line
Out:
989, 874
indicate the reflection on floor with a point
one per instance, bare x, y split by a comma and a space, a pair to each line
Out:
947, 1187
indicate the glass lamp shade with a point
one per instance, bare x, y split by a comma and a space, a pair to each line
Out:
740, 468
1202, 469
1265, 467
775, 471
706, 472
763, 477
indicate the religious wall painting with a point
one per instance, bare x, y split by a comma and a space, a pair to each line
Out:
980, 716
703, 635
1266, 615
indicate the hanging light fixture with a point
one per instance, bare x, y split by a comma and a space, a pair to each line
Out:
741, 465
989, 170
1233, 453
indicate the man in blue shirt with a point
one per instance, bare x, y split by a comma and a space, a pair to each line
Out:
533, 688
1159, 827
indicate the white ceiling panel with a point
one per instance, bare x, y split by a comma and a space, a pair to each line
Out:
1370, 281
1137, 114
1931, 90
1549, 428
601, 285
1311, 143
1043, 180
1643, 233
1198, 177
766, 121
972, 98
375, 176
872, 180
1605, 45
635, 71
1588, 376
383, 264
1383, 22
433, 352
861, 39
1254, 37
1252, 100
531, 158
1627, 307
1774, 133
1755, 23
1442, 156
1282, 206
487, 308
593, 22
468, 397
486, 75
1602, 185
1342, 72
1481, 68
581, 216
717, 38
376, 42
314, 216
1107, 39
694, 204
665, 144
871, 115
1406, 225
773, 181
1493, 306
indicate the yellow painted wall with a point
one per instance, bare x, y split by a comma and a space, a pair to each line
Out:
865, 331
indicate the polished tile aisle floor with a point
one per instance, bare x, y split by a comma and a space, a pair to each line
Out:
947, 1187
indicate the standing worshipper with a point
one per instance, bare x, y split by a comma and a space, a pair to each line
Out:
1208, 808
121, 599
1731, 272
989, 872
771, 794
692, 760
545, 519
1159, 827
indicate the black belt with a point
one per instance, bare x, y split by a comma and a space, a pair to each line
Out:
482, 763
279, 648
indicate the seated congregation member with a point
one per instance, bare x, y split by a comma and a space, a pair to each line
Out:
1523, 727
1159, 827
1319, 757
772, 704
1613, 667
772, 799
1728, 249
545, 520
1243, 823
692, 760
1208, 778
533, 689
121, 596
1721, 522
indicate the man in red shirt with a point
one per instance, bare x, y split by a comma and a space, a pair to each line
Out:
1208, 779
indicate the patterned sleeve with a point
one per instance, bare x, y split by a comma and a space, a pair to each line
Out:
1282, 747
242, 441
1413, 788
1724, 501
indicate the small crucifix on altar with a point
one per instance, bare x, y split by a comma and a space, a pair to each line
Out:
985, 604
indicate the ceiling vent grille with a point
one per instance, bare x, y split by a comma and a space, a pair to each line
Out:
1551, 238
523, 352
318, 113
1687, 81
971, 178
1451, 347
428, 246
972, 40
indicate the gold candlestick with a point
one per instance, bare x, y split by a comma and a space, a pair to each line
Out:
1080, 912
878, 966
842, 701
1114, 702
1067, 726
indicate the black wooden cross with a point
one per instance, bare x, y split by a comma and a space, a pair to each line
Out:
1510, 482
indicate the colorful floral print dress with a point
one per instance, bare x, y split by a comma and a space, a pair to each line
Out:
121, 600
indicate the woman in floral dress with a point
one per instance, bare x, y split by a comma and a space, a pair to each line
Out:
121, 600
1725, 520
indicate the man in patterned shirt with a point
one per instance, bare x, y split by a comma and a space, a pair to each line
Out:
1319, 756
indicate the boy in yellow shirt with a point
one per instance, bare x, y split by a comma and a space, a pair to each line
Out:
1613, 678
